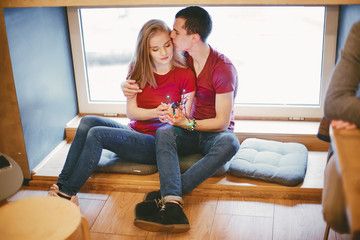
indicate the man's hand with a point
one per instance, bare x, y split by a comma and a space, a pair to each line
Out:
130, 88
176, 117
172, 116
340, 124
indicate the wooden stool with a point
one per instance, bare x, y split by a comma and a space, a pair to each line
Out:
42, 218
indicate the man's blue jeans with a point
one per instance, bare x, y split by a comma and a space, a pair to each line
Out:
170, 141
95, 134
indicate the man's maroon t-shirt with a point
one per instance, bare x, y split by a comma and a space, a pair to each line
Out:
218, 76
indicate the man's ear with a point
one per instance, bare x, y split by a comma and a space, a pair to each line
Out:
195, 37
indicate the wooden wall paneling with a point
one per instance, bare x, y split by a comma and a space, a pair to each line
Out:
12, 141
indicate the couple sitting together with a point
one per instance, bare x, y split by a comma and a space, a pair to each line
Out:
177, 66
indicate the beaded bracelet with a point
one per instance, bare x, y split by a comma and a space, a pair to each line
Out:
192, 125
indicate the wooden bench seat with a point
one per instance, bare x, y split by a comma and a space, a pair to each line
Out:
47, 171
310, 189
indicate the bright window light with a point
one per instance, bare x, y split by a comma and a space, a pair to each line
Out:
277, 51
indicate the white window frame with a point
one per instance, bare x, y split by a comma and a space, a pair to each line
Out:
241, 111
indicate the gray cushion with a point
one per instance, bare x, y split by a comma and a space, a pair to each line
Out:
187, 161
111, 163
271, 161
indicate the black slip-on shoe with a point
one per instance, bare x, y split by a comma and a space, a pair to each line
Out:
149, 206
170, 218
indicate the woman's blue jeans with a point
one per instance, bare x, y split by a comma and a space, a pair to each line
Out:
92, 136
170, 141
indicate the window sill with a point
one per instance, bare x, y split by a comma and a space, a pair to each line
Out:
284, 131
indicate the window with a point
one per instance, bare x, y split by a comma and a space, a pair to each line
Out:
283, 55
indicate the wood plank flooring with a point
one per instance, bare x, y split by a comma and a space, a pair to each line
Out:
224, 207
110, 216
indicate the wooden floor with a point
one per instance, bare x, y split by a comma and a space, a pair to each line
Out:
223, 207
111, 214
220, 208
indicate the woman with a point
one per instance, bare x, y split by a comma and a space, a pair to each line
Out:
162, 76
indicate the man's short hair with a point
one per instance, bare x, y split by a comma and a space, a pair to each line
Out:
197, 20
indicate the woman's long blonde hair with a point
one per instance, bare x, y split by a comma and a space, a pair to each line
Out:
141, 66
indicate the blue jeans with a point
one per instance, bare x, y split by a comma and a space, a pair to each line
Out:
170, 141
92, 136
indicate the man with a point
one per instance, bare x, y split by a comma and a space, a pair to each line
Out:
342, 108
208, 131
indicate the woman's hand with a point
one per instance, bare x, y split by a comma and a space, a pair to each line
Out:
162, 111
130, 88
340, 124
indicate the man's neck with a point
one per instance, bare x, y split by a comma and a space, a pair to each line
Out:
199, 54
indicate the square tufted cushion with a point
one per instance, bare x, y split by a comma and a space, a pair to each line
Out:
186, 161
111, 163
271, 161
